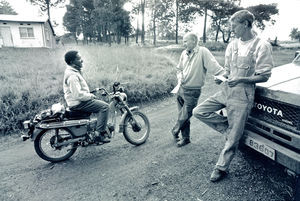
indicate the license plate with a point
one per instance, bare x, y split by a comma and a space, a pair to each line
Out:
260, 147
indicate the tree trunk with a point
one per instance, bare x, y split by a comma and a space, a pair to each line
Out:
48, 8
217, 35
154, 24
154, 33
109, 38
204, 28
225, 40
75, 37
137, 28
143, 21
119, 38
99, 38
105, 37
177, 13
217, 31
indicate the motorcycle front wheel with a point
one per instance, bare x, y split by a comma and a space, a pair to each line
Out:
136, 128
47, 145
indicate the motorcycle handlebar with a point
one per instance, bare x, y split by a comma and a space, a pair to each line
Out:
116, 90
99, 89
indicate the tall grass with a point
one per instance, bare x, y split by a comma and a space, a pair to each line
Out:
31, 79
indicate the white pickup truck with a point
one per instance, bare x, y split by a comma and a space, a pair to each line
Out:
273, 127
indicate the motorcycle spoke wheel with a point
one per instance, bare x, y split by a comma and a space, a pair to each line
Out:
137, 128
47, 146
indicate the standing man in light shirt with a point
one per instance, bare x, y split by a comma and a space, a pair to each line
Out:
248, 60
78, 96
191, 71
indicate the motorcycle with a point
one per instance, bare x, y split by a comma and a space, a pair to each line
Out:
57, 132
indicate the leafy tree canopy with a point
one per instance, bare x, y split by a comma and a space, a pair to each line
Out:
295, 34
98, 19
45, 4
264, 13
5, 8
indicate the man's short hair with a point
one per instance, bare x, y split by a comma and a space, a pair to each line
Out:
70, 56
243, 15
191, 35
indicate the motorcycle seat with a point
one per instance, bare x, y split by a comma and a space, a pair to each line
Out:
72, 114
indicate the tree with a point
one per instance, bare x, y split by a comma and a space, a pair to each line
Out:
72, 20
45, 5
162, 19
183, 14
121, 24
143, 4
125, 27
221, 10
154, 17
98, 20
87, 20
221, 13
176, 20
295, 34
263, 13
103, 17
202, 8
5, 8
136, 11
112, 20
137, 8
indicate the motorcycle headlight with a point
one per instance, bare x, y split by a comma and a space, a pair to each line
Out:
123, 96
26, 124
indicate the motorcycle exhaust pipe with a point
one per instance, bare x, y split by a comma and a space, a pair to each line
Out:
25, 137
70, 141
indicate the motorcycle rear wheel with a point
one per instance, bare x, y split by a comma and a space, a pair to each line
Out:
46, 147
136, 134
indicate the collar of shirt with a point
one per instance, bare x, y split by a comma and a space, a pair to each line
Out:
192, 52
73, 69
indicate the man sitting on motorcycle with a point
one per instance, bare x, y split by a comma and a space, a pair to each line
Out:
78, 96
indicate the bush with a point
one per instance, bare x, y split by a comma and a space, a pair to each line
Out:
214, 46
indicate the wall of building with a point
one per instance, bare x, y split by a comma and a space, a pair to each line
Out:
36, 41
49, 37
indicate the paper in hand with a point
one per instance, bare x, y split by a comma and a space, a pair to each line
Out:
176, 89
220, 77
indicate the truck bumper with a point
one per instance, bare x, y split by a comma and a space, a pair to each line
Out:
282, 155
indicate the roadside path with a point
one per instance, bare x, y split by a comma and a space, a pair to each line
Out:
157, 170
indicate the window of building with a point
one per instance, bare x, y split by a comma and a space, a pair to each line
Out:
26, 32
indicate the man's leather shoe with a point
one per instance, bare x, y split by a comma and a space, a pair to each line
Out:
101, 138
183, 142
217, 175
175, 136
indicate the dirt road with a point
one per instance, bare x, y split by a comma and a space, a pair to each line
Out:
157, 170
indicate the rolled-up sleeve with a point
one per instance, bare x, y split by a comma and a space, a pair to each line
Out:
210, 62
228, 58
264, 60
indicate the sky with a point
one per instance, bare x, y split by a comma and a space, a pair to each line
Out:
288, 18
